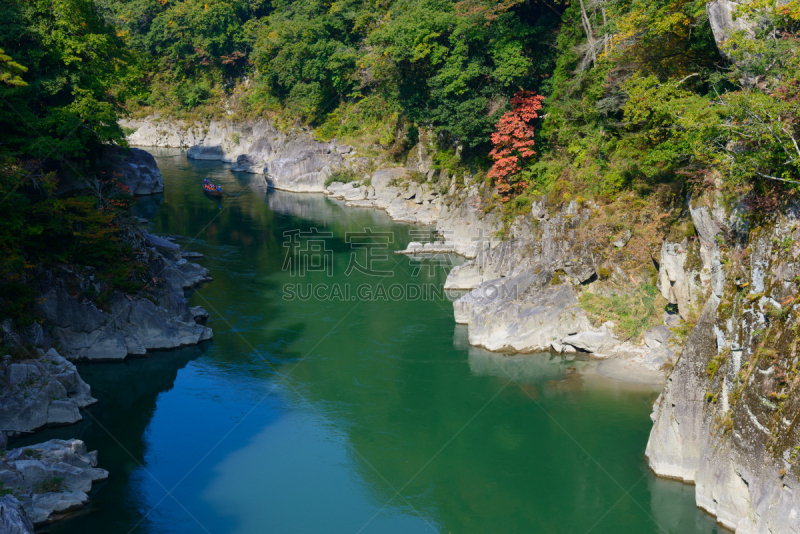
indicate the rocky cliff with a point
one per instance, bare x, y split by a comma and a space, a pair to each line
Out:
727, 419
157, 318
44, 389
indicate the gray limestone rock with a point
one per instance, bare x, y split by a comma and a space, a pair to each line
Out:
132, 325
45, 390
523, 313
165, 247
51, 478
676, 441
657, 336
598, 343
13, 519
623, 239
723, 23
464, 276
140, 173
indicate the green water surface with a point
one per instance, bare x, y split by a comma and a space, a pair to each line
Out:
351, 415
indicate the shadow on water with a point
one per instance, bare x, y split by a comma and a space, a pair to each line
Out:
127, 394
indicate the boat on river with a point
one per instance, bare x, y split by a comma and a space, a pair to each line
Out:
212, 190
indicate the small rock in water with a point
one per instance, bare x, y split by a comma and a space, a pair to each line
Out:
200, 314
192, 255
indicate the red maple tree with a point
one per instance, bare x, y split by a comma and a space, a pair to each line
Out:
513, 141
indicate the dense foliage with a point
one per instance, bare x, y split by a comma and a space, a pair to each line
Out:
450, 65
60, 73
641, 95
634, 93
513, 142
637, 90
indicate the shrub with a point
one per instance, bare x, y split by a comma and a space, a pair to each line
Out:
48, 485
633, 312
342, 175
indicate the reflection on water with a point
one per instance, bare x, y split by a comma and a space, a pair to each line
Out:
348, 415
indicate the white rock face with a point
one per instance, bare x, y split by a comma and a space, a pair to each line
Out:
520, 314
45, 390
676, 441
291, 161
464, 225
735, 442
464, 276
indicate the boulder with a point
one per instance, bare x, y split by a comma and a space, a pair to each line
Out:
657, 336
464, 276
523, 313
623, 239
165, 247
723, 23
199, 314
140, 173
597, 343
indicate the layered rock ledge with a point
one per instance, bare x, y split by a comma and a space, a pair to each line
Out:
129, 325
45, 390
48, 480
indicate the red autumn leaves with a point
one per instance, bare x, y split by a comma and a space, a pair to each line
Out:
513, 141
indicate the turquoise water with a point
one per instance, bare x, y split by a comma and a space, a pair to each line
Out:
351, 414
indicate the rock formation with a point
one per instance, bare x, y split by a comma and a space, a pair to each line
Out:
13, 519
291, 161
139, 172
128, 325
727, 419
49, 480
45, 389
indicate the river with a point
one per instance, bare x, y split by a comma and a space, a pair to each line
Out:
361, 411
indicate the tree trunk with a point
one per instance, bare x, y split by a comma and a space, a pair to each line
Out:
587, 26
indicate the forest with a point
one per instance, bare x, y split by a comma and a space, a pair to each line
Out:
585, 98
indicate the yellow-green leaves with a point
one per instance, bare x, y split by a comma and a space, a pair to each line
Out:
10, 71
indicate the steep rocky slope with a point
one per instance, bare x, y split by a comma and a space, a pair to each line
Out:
727, 419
